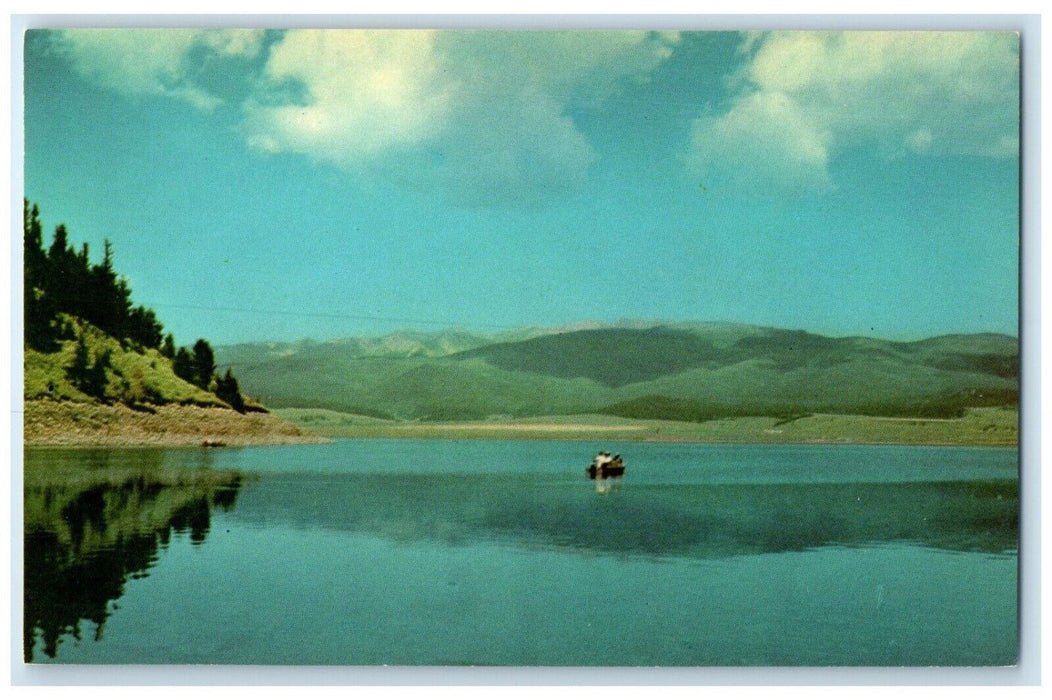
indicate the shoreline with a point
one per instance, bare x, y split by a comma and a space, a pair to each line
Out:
983, 427
68, 424
64, 424
585, 437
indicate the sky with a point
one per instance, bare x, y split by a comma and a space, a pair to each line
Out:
262, 185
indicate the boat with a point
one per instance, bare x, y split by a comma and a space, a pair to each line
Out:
604, 466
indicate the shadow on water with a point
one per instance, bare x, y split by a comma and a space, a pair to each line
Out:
696, 520
96, 519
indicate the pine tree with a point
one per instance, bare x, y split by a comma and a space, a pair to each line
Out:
97, 380
60, 258
78, 370
37, 304
60, 250
168, 346
227, 390
143, 328
63, 280
183, 365
89, 377
34, 240
204, 363
105, 292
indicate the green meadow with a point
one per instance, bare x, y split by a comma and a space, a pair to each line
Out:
978, 426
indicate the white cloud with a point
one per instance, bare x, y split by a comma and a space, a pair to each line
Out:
482, 114
561, 65
366, 91
802, 96
233, 42
152, 61
512, 151
765, 141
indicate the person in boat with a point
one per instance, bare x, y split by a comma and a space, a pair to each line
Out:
598, 463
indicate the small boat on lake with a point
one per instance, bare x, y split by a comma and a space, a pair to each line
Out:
604, 466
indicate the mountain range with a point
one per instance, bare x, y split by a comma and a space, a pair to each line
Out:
682, 371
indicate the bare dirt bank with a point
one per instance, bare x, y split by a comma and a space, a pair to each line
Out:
72, 424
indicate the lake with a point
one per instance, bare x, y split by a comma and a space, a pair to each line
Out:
444, 552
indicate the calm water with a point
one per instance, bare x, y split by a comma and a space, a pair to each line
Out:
503, 552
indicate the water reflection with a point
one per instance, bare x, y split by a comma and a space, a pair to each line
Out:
96, 520
699, 520
605, 485
88, 529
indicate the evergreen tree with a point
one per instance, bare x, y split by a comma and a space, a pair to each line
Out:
78, 370
168, 346
61, 260
227, 390
204, 363
34, 240
63, 280
109, 295
96, 379
183, 365
89, 377
60, 252
143, 328
37, 304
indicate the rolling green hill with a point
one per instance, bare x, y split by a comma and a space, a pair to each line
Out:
613, 357
681, 371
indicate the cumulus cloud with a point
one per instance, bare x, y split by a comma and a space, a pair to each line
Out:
802, 96
766, 141
364, 92
485, 116
482, 114
152, 61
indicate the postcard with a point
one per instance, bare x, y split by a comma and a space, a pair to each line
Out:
500, 347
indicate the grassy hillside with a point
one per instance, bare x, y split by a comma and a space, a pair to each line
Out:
137, 400
683, 371
415, 388
100, 370
133, 378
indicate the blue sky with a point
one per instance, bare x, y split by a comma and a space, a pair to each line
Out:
267, 185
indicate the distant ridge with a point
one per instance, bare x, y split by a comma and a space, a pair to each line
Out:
639, 369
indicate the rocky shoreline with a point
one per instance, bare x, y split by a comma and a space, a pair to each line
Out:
75, 424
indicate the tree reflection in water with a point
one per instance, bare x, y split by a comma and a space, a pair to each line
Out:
87, 533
